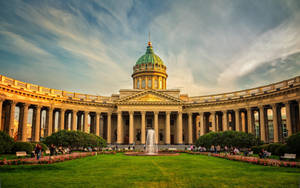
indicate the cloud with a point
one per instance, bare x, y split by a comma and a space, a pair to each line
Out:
277, 43
90, 47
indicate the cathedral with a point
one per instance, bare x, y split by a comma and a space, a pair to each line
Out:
270, 112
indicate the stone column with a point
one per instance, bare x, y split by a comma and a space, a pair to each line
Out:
143, 127
74, 122
101, 124
179, 128
213, 121
250, 120
190, 128
97, 129
49, 121
298, 114
243, 121
152, 82
37, 128
288, 118
109, 128
202, 124
24, 122
86, 122
225, 120
237, 120
156, 126
61, 119
262, 123
119, 128
1, 103
275, 122
11, 117
168, 128
131, 127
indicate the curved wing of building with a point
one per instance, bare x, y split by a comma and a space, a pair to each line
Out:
270, 112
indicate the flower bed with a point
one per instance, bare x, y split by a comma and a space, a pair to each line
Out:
253, 160
52, 159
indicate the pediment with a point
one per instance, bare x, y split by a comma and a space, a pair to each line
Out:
150, 96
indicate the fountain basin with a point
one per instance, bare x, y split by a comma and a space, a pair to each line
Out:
151, 154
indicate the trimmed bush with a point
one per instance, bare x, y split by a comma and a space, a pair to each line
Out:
281, 150
22, 146
293, 143
6, 143
75, 139
273, 148
227, 138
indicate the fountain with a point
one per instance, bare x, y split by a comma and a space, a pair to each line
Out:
151, 146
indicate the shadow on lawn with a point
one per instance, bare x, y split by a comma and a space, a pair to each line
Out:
29, 168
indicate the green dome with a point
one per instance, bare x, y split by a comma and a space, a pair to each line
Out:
149, 57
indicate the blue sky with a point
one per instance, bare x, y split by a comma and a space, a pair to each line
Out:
209, 46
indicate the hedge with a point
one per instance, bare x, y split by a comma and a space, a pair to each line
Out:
293, 143
6, 143
75, 139
22, 146
228, 138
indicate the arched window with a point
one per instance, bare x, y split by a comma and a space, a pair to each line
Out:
150, 83
143, 84
138, 84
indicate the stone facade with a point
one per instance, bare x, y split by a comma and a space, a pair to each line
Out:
270, 112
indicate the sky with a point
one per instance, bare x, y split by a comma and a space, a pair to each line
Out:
208, 46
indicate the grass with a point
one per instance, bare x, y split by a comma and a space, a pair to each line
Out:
144, 171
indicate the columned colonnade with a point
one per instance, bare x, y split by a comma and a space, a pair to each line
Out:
197, 123
243, 120
79, 120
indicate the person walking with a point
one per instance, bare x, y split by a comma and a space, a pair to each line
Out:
38, 151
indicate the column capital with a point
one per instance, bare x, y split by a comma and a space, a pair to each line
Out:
86, 112
224, 111
274, 105
156, 112
248, 108
286, 103
109, 113
201, 113
13, 102
62, 109
131, 112
143, 112
26, 105
38, 106
213, 112
75, 110
179, 112
190, 113
2, 99
260, 106
168, 112
119, 112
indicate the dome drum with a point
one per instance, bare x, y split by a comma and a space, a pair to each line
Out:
149, 72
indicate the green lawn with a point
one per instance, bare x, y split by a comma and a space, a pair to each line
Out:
137, 171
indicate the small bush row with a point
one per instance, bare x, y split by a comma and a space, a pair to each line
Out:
292, 146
